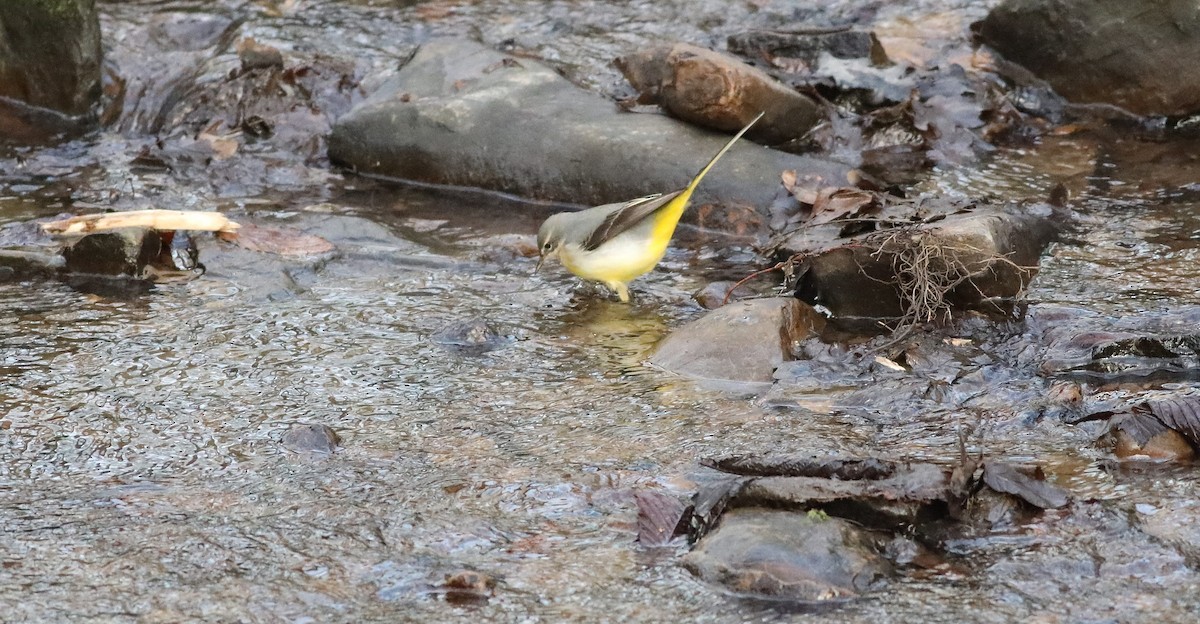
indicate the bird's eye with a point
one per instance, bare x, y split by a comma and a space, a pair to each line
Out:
546, 247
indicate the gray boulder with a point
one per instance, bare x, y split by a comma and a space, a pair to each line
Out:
1139, 56
462, 114
49, 67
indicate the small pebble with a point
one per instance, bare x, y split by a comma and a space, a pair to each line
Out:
468, 586
311, 439
712, 296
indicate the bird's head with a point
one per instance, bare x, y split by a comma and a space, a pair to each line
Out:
549, 239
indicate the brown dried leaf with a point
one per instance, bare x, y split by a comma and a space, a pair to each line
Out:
658, 517
223, 147
255, 55
1182, 415
467, 587
788, 177
1141, 435
803, 188
841, 203
1027, 485
282, 241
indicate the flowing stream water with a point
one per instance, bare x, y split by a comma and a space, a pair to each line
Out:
142, 474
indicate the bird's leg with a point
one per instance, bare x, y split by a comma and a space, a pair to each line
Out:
621, 289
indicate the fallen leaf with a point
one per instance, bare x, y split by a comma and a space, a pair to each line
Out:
842, 203
1028, 485
1182, 415
282, 241
788, 177
889, 364
1141, 436
804, 188
658, 517
798, 465
223, 147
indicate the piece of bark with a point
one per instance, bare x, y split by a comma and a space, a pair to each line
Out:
193, 220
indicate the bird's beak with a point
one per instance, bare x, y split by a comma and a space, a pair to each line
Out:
538, 266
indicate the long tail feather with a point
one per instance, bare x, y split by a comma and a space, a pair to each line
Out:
700, 176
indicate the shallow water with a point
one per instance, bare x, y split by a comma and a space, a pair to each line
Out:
144, 477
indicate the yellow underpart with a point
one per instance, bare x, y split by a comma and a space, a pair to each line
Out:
626, 256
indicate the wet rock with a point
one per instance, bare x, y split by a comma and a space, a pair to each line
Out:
718, 91
22, 265
164, 65
909, 495
883, 495
254, 55
850, 65
976, 259
743, 341
49, 68
793, 556
1105, 52
987, 510
808, 46
1063, 401
462, 114
472, 336
239, 131
801, 466
715, 294
1136, 348
123, 252
311, 438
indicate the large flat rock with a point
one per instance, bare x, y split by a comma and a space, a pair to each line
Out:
462, 114
1135, 55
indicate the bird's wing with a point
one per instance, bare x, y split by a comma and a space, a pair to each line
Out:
632, 213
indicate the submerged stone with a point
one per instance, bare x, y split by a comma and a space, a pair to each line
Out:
472, 336
804, 557
311, 438
743, 341
1146, 348
716, 294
